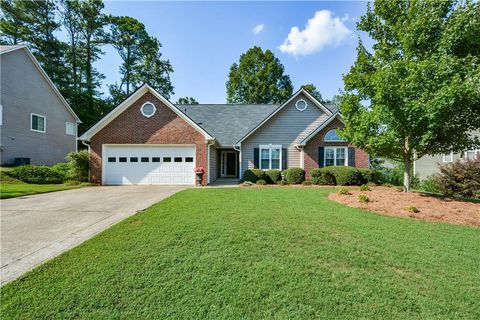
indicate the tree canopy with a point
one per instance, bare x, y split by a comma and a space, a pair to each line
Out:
313, 91
187, 100
416, 92
258, 78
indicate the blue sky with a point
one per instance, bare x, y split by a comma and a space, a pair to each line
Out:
203, 39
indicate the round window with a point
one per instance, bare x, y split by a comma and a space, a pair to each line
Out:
301, 105
148, 109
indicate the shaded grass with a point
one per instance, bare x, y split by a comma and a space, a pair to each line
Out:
283, 253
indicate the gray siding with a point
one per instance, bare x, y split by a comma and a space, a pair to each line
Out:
288, 128
214, 163
24, 91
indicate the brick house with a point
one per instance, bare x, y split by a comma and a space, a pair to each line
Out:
149, 140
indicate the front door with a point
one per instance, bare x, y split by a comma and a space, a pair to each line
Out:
229, 164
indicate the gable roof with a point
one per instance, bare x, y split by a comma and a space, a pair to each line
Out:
228, 122
301, 90
312, 134
129, 101
9, 48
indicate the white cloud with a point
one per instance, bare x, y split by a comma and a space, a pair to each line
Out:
257, 29
321, 31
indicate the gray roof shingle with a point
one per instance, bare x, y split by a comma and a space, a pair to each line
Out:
228, 123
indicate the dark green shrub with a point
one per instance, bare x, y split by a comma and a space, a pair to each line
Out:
37, 174
282, 183
294, 175
261, 182
79, 163
64, 169
345, 176
322, 177
307, 183
253, 175
273, 176
429, 185
460, 178
370, 176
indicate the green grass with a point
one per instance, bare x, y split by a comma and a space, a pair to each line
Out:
11, 187
275, 253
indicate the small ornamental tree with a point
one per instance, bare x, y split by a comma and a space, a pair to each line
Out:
417, 91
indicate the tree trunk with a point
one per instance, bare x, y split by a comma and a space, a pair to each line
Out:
406, 173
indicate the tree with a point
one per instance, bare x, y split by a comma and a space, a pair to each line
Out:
313, 91
417, 92
12, 22
258, 78
186, 100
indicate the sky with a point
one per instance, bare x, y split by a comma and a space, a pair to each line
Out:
315, 41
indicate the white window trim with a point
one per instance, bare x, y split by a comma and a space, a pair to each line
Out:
334, 155
269, 147
300, 109
331, 140
148, 115
44, 122
444, 158
74, 128
475, 151
1, 115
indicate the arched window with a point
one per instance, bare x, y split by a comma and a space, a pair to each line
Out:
332, 136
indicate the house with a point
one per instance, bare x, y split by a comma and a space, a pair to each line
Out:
37, 125
148, 140
429, 165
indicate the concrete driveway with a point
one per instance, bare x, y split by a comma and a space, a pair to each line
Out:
39, 227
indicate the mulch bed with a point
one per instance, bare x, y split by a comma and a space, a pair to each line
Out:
391, 201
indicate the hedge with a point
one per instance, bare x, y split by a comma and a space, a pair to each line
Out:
345, 176
273, 176
294, 175
79, 163
37, 174
320, 177
253, 175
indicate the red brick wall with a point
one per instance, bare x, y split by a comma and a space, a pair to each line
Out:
311, 149
131, 127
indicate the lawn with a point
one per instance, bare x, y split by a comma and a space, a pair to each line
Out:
279, 253
11, 187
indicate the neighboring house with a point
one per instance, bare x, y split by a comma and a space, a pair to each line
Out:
148, 140
37, 125
429, 165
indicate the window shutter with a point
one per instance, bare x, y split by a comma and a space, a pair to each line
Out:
256, 162
284, 158
351, 156
321, 152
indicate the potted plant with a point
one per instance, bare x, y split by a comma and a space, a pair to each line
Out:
200, 171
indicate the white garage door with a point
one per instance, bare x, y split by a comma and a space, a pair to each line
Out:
149, 164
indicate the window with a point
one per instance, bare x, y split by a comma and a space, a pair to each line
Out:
145, 159
448, 157
133, 159
37, 123
112, 159
472, 154
335, 156
301, 105
178, 159
71, 128
332, 136
155, 159
148, 109
167, 159
270, 157
188, 159
122, 159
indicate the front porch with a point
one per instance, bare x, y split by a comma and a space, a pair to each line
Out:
224, 164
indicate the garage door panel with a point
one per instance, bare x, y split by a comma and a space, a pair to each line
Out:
160, 165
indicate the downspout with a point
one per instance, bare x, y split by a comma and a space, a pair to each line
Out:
302, 160
209, 143
239, 149
88, 147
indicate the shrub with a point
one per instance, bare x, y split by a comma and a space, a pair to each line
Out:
318, 176
294, 175
363, 198
273, 176
430, 185
307, 183
64, 169
253, 175
345, 176
261, 182
365, 187
413, 209
79, 163
282, 183
370, 176
460, 178
343, 191
37, 174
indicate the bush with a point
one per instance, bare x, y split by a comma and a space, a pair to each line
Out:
370, 176
363, 198
64, 169
345, 176
460, 178
79, 163
322, 177
253, 175
307, 183
282, 183
261, 182
429, 185
37, 174
343, 191
365, 187
294, 175
413, 209
273, 176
